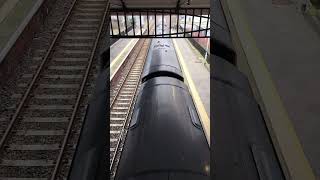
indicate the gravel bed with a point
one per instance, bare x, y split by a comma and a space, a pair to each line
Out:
27, 172
42, 126
62, 48
56, 91
13, 138
7, 113
3, 125
41, 40
63, 72
62, 80
35, 140
117, 156
89, 89
91, 34
113, 144
63, 55
53, 101
31, 155
75, 40
73, 139
64, 171
43, 113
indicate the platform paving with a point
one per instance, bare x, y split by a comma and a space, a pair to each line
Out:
117, 47
290, 44
14, 15
199, 72
121, 43
119, 52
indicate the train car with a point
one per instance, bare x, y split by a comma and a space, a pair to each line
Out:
242, 145
223, 46
165, 139
162, 61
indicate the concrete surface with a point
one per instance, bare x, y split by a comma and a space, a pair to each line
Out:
119, 52
14, 16
199, 71
290, 45
117, 47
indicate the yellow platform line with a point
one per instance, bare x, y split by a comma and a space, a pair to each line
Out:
204, 118
115, 61
289, 150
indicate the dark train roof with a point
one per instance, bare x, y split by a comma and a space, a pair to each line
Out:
162, 60
165, 139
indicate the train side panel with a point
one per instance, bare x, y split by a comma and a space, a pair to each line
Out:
241, 144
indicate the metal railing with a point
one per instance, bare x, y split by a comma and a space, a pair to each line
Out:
168, 22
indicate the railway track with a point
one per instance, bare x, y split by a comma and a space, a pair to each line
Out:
39, 138
122, 100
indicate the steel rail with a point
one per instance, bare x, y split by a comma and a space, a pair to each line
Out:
130, 106
84, 81
114, 99
126, 75
35, 78
116, 94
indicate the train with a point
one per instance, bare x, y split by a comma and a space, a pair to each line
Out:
242, 147
165, 139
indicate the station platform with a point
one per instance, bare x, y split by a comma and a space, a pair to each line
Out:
291, 47
198, 68
289, 42
120, 49
119, 52
197, 75
14, 17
